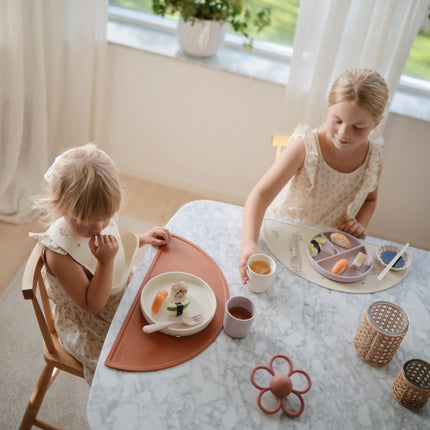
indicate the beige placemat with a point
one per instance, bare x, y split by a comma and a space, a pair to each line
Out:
277, 236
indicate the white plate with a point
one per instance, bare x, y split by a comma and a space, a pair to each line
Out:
203, 301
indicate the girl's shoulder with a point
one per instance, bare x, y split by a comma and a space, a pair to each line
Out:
304, 133
376, 141
45, 240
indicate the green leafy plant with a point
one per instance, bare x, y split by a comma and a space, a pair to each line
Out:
232, 12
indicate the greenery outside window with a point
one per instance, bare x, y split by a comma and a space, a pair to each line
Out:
277, 39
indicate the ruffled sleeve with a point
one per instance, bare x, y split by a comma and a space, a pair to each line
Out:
310, 165
45, 240
370, 176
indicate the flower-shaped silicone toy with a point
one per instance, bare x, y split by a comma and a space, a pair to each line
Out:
281, 386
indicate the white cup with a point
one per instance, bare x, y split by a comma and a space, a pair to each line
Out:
259, 283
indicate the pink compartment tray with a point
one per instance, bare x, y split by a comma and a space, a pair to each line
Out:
330, 253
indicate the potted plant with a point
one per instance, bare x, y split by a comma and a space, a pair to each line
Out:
201, 25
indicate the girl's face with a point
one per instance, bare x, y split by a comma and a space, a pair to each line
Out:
348, 125
87, 229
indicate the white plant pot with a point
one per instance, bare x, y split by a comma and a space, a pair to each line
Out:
202, 39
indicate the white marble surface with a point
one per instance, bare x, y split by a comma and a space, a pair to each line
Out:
314, 326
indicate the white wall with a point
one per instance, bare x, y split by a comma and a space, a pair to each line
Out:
206, 130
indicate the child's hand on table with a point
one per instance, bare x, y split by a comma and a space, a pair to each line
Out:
247, 251
155, 236
353, 227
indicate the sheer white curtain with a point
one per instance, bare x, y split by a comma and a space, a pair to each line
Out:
51, 88
333, 35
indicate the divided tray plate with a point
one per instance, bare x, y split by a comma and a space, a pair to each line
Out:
330, 253
203, 301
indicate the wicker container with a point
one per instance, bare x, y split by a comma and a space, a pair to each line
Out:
411, 388
383, 327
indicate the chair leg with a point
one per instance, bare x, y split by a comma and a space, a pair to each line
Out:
46, 378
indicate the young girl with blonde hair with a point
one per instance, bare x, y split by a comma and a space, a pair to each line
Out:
327, 176
87, 253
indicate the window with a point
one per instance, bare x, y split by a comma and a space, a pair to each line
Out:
281, 34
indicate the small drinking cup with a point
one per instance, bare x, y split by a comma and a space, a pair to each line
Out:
260, 270
239, 315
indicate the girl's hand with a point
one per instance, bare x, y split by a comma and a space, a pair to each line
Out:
353, 227
155, 236
243, 260
105, 249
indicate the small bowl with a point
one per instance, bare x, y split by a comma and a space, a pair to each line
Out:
407, 257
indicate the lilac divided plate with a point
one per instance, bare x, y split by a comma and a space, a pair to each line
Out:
330, 253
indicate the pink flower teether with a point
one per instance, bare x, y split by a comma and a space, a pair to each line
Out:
281, 386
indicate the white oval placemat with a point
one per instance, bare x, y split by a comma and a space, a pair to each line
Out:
279, 237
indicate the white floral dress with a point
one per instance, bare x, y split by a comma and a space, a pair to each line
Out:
320, 194
82, 334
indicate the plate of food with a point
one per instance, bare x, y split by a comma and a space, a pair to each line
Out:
173, 295
339, 256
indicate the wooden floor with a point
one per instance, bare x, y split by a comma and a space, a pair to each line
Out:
145, 200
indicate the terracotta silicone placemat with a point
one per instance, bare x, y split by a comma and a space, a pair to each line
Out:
276, 234
138, 351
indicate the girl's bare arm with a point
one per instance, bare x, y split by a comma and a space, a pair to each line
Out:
268, 187
89, 295
358, 226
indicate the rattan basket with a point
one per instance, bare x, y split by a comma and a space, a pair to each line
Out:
380, 333
411, 388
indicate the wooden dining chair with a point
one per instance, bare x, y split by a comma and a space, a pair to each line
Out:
279, 141
56, 358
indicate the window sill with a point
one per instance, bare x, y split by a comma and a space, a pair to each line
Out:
158, 36
229, 59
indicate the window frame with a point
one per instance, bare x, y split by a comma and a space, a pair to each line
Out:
409, 85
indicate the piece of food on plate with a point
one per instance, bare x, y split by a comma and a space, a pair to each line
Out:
340, 266
178, 299
340, 240
359, 260
159, 300
314, 246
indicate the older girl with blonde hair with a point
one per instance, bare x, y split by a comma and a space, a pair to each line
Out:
327, 176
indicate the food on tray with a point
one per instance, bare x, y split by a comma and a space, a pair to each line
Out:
340, 266
178, 299
340, 240
260, 267
159, 300
314, 246
359, 260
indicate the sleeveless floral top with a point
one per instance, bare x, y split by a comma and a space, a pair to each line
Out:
320, 194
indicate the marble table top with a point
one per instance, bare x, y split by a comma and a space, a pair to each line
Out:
312, 325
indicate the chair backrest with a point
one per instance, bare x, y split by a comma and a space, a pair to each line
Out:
279, 141
33, 287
